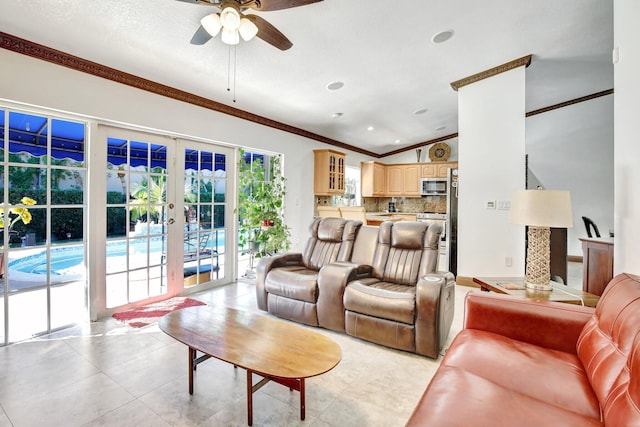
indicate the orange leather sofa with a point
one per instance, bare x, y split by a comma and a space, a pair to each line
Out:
531, 363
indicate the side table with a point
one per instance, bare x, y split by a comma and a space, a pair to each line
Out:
514, 286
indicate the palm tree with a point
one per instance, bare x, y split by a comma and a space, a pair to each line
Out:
148, 198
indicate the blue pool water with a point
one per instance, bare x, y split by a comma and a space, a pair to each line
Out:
69, 260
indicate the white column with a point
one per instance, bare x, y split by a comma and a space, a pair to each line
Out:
491, 155
626, 15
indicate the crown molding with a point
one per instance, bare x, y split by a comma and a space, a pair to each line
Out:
524, 61
38, 51
570, 102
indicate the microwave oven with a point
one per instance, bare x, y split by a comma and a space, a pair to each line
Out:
433, 186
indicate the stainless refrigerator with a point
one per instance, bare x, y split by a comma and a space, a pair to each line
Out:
452, 220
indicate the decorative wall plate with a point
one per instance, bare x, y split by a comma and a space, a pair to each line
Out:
439, 152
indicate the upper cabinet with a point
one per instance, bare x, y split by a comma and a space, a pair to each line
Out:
436, 169
329, 169
403, 180
411, 180
373, 179
399, 180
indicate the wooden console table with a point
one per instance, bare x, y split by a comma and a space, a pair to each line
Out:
514, 286
597, 264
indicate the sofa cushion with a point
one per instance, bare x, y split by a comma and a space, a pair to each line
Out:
459, 398
380, 299
605, 345
554, 377
299, 284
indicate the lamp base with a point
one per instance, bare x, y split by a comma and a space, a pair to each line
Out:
538, 287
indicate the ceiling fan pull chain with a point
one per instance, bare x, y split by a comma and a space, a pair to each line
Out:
235, 66
229, 69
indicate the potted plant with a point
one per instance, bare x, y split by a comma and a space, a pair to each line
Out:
10, 218
261, 206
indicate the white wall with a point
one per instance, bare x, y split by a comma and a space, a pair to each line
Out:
578, 159
38, 83
411, 156
491, 145
627, 148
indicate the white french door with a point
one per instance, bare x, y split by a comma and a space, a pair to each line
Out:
140, 186
165, 221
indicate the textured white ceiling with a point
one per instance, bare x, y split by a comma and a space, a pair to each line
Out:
381, 50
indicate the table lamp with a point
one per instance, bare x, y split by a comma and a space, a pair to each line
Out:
540, 210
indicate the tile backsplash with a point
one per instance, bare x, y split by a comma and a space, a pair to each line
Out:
406, 204
381, 204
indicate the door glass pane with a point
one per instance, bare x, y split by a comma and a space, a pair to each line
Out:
204, 237
136, 214
42, 226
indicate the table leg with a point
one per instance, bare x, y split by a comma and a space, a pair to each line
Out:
192, 356
302, 400
249, 397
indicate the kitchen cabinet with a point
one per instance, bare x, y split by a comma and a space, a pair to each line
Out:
411, 180
329, 172
399, 180
428, 170
436, 169
403, 180
395, 180
373, 179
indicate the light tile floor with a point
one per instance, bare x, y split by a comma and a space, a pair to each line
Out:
107, 374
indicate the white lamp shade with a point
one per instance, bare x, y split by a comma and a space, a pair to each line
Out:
230, 18
541, 208
212, 24
230, 36
247, 29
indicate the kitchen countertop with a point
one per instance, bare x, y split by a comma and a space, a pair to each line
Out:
387, 216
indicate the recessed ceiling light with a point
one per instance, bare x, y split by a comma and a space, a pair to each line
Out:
335, 85
441, 128
336, 115
442, 36
397, 141
420, 111
370, 128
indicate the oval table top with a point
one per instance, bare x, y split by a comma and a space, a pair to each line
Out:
259, 343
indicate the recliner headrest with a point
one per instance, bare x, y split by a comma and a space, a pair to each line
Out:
408, 235
331, 229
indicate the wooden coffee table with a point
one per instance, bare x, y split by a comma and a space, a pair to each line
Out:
274, 349
514, 286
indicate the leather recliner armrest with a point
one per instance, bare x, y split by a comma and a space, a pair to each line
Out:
332, 280
435, 303
548, 324
265, 265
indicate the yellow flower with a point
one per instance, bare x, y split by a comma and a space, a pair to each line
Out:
21, 214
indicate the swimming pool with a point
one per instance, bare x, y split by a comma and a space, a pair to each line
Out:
68, 262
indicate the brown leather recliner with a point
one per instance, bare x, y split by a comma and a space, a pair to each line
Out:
404, 303
287, 284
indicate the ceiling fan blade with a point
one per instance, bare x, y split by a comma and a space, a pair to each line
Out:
269, 33
201, 36
266, 5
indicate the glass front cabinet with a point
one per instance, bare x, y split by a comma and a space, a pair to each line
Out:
329, 172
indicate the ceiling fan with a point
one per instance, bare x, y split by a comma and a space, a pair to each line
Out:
232, 23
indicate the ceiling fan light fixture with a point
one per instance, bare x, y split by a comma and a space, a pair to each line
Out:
230, 18
247, 29
230, 36
212, 24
